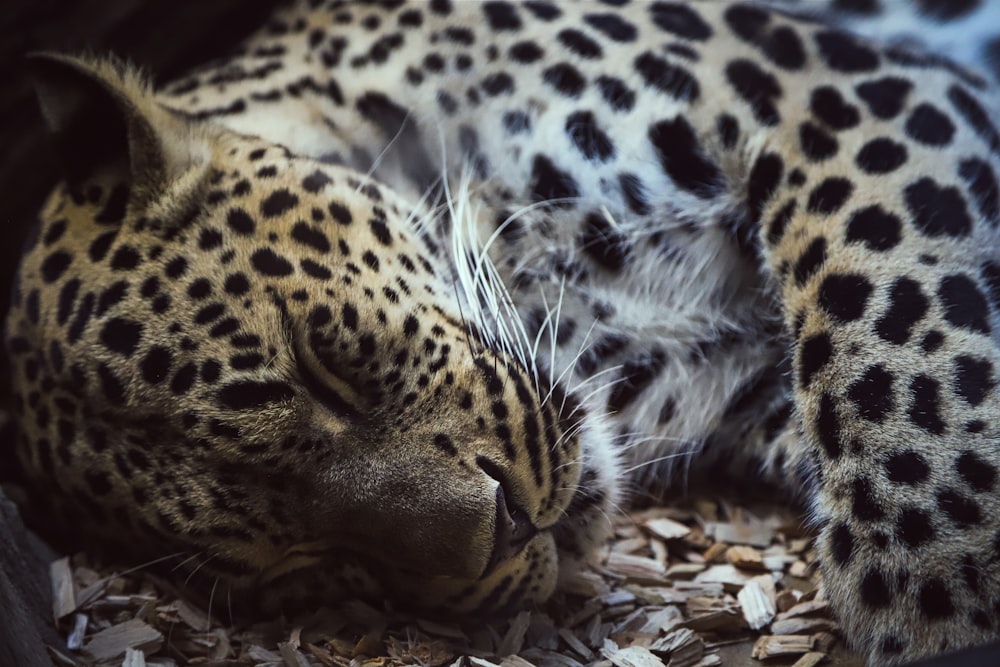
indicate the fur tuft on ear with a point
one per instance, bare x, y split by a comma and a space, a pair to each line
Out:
104, 115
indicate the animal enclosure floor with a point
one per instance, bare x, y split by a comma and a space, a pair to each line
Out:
708, 585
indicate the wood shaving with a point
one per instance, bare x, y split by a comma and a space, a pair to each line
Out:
675, 588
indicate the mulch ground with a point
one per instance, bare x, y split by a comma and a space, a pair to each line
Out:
709, 585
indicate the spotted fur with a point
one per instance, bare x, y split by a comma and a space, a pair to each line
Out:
424, 285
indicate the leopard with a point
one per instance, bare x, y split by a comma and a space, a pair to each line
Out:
405, 300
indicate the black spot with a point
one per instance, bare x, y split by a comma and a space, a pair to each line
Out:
278, 203
111, 296
876, 228
817, 144
758, 88
501, 16
121, 335
445, 444
874, 590
885, 97
550, 183
176, 267
618, 96
865, 506
937, 211
667, 78
729, 130
636, 375
55, 265
184, 379
829, 195
973, 379
872, 394
913, 527
946, 10
828, 426
525, 52
925, 409
982, 184
604, 243
683, 158
99, 247
250, 395
236, 284
907, 467
814, 354
516, 122
845, 53
810, 261
932, 341
155, 365
765, 175
310, 236
842, 544
881, 156
546, 11
963, 511
975, 116
269, 263
316, 181
964, 305
977, 472
845, 296
612, 26
928, 125
125, 258
935, 600
55, 232
577, 42
588, 137
314, 270
681, 20
907, 306
340, 213
829, 106
111, 386
499, 83
565, 78
634, 193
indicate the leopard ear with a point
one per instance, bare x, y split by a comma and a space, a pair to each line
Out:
103, 115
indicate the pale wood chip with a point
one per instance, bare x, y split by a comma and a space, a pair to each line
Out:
802, 625
660, 552
810, 659
684, 570
746, 558
113, 642
575, 644
585, 583
798, 569
290, 655
63, 589
806, 609
712, 660
633, 656
75, 638
636, 568
513, 640
667, 529
630, 545
754, 533
617, 597
772, 646
758, 606
664, 620
731, 578
544, 658
134, 658
515, 661
480, 662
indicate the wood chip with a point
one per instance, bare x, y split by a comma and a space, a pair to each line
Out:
803, 625
773, 646
575, 644
75, 638
63, 589
636, 568
806, 609
810, 659
758, 606
114, 641
667, 529
290, 655
633, 656
745, 558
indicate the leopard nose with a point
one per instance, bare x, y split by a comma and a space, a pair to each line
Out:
513, 530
